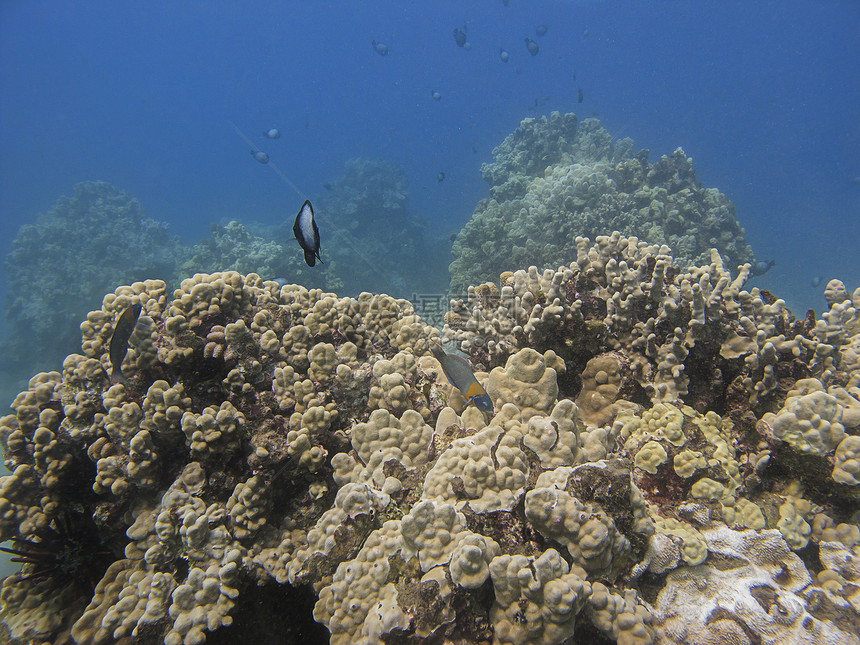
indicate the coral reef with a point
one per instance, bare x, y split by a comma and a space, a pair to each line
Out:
372, 234
60, 266
268, 253
556, 178
641, 480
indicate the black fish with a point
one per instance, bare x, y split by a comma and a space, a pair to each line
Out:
460, 36
308, 235
440, 177
532, 46
119, 341
581, 96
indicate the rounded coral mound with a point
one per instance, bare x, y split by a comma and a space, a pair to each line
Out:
557, 178
279, 456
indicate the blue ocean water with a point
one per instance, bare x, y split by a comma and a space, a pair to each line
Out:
763, 96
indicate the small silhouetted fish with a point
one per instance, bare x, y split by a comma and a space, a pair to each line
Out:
260, 156
308, 235
328, 186
272, 133
532, 46
440, 177
453, 237
119, 341
505, 56
459, 373
580, 96
761, 267
380, 48
816, 281
460, 36
436, 95
541, 30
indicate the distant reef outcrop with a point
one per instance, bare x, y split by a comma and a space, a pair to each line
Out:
554, 179
60, 265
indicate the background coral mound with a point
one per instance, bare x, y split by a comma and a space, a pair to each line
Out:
279, 456
555, 179
373, 236
86, 244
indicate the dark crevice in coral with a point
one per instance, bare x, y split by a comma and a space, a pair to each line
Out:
273, 614
588, 634
810, 554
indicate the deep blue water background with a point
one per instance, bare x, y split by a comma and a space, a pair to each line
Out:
763, 95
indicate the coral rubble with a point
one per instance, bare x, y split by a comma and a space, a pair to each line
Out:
557, 178
670, 455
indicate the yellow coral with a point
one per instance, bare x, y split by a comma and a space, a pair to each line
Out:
650, 456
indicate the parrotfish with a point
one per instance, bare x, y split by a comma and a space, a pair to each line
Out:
459, 373
308, 235
119, 341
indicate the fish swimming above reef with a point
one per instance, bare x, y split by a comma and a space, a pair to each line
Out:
460, 36
119, 341
459, 373
532, 46
580, 96
437, 96
308, 235
761, 267
440, 177
260, 156
505, 56
541, 30
272, 133
380, 48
